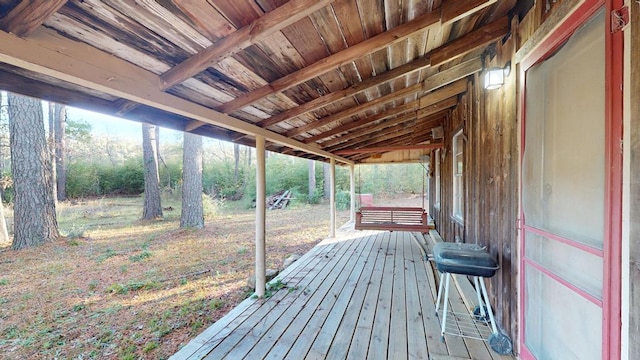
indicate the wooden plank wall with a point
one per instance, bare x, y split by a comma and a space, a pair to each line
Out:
634, 215
489, 121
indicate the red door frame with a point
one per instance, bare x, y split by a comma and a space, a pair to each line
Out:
612, 252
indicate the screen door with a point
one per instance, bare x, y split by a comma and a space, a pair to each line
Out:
563, 199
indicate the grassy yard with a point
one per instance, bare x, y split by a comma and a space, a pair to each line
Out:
119, 288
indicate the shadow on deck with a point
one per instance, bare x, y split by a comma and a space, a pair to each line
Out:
362, 295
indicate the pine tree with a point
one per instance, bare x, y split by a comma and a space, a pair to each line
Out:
152, 203
34, 206
192, 211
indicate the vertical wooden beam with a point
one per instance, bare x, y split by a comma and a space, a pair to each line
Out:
260, 216
352, 188
332, 197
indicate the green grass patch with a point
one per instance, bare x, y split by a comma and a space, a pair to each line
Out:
150, 346
109, 253
140, 257
216, 304
4, 282
132, 286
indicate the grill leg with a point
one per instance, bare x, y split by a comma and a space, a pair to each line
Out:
489, 310
483, 314
439, 294
447, 278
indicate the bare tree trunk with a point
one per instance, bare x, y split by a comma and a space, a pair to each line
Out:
326, 172
51, 142
152, 204
248, 156
312, 178
236, 163
192, 215
4, 234
61, 170
34, 207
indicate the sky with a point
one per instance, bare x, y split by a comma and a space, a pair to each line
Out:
114, 127
117, 127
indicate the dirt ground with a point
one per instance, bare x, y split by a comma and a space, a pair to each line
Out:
118, 288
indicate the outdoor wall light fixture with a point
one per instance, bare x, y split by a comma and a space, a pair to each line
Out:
494, 77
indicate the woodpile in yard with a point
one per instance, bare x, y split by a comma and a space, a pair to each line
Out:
279, 200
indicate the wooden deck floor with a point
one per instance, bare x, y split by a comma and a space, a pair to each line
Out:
363, 295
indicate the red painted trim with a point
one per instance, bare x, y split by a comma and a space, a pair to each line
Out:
562, 33
612, 252
560, 239
525, 354
564, 282
614, 69
521, 348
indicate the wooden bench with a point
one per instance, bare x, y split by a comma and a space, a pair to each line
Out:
393, 218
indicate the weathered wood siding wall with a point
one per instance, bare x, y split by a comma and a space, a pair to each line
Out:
490, 127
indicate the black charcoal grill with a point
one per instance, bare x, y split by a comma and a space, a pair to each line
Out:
471, 260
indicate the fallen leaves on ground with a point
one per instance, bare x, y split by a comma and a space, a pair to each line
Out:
129, 289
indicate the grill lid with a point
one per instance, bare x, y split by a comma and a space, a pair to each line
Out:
465, 259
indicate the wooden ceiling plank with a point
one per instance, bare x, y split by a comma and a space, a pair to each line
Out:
453, 89
452, 77
371, 141
389, 148
411, 106
372, 129
27, 16
471, 41
354, 110
206, 17
452, 74
334, 61
261, 28
330, 98
51, 54
454, 10
407, 137
386, 132
437, 107
465, 44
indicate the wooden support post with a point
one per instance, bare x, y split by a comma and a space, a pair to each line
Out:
352, 188
260, 216
332, 197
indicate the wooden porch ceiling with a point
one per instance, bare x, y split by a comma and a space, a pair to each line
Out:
312, 76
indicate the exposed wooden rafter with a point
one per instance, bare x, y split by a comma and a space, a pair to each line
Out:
485, 35
395, 111
49, 53
469, 42
333, 97
390, 130
258, 30
355, 110
353, 139
454, 10
29, 15
344, 57
389, 148
436, 81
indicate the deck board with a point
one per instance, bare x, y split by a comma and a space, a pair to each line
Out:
365, 294
364, 327
378, 343
399, 349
